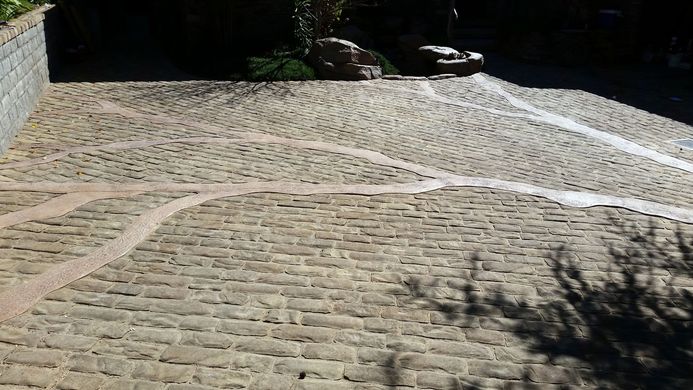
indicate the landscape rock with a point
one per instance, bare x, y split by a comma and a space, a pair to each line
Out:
435, 53
459, 67
467, 66
337, 59
339, 51
476, 61
348, 71
442, 76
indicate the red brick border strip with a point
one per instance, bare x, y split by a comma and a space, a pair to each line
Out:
56, 207
20, 298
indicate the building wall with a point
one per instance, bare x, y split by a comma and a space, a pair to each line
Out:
23, 72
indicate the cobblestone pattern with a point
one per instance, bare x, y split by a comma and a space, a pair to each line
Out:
460, 288
407, 127
23, 73
652, 131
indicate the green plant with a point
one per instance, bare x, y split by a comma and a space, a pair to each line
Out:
304, 26
388, 68
315, 19
327, 14
278, 68
12, 8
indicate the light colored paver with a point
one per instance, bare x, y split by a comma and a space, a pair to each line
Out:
449, 288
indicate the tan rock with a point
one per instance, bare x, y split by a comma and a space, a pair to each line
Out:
339, 51
435, 53
348, 71
467, 66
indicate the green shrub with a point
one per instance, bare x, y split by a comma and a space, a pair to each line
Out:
13, 8
388, 68
328, 14
278, 68
315, 19
304, 26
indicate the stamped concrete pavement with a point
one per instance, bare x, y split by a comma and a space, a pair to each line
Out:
343, 268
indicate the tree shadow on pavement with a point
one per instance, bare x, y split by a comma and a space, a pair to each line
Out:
624, 323
227, 93
632, 330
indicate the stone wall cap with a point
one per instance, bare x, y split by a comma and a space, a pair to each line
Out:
17, 26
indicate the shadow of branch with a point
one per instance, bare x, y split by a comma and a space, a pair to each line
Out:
622, 321
216, 93
627, 324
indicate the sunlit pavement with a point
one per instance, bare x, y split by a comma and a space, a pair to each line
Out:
392, 276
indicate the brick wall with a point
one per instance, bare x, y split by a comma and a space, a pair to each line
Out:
23, 72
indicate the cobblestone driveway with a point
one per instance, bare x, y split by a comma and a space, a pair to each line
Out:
455, 286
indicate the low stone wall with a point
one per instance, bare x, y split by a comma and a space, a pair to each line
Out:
23, 72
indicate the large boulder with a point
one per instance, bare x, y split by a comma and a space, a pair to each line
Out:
339, 51
337, 59
348, 71
459, 67
476, 61
435, 53
469, 64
